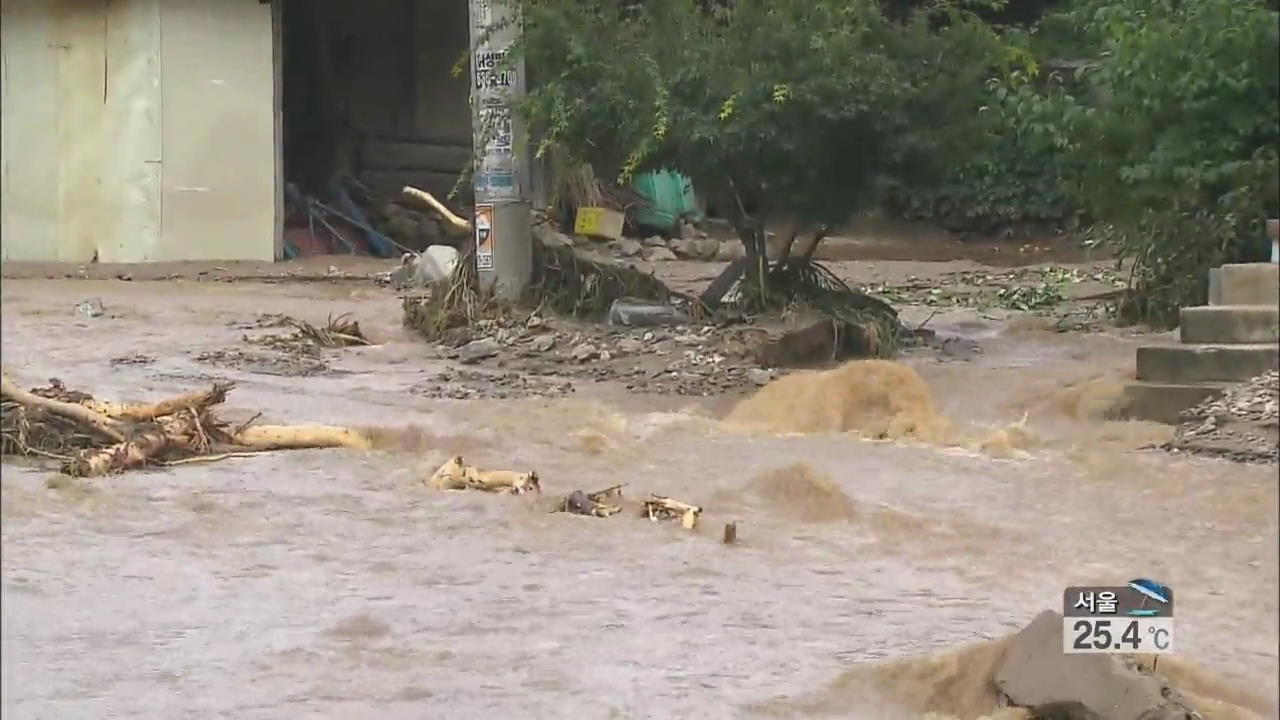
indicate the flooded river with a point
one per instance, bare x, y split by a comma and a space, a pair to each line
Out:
333, 584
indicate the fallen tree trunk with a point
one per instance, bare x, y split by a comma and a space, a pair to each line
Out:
299, 437
150, 411
430, 201
92, 437
139, 450
73, 411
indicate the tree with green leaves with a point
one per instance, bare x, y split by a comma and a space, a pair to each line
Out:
786, 113
1176, 150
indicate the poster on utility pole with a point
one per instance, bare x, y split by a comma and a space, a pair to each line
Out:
497, 81
484, 237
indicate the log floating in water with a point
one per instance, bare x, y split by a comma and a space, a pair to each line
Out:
297, 437
659, 507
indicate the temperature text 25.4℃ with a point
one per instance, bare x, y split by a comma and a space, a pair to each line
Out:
1133, 618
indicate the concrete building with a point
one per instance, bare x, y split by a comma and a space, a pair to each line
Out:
162, 130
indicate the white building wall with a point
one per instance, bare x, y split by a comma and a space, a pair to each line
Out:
137, 130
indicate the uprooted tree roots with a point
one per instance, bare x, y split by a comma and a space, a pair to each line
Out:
92, 437
864, 326
566, 282
571, 283
459, 303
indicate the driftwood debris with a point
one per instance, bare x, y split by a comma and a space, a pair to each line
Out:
426, 198
658, 507
601, 503
92, 437
337, 332
48, 402
456, 474
608, 502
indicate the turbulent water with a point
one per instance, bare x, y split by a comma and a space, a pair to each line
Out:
324, 584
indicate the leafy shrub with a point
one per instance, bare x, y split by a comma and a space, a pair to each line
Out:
1178, 158
1015, 184
798, 110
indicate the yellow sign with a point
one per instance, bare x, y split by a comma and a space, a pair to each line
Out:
599, 222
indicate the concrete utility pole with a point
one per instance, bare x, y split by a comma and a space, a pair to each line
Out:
504, 249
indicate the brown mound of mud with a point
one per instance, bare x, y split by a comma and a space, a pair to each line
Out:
961, 684
957, 683
1097, 399
877, 399
1008, 441
804, 493
1094, 398
1216, 698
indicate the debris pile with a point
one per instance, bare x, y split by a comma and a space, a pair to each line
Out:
465, 384
456, 474
351, 220
92, 437
342, 225
608, 502
645, 355
295, 353
337, 332
1242, 425
553, 353
1029, 288
601, 503
658, 507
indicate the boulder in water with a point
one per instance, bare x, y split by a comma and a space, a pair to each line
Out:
1036, 674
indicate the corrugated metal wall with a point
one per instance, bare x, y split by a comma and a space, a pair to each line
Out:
137, 130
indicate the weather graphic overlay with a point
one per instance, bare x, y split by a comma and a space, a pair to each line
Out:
1132, 618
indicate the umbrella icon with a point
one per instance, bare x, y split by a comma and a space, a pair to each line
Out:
1151, 590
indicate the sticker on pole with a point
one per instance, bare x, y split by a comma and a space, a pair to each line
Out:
484, 237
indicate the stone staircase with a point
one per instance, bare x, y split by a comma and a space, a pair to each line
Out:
1233, 338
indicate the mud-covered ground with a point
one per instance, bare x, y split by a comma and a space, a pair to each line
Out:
334, 584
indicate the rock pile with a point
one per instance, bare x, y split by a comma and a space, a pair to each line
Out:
1242, 425
684, 360
658, 249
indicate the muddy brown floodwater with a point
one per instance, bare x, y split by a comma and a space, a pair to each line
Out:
332, 584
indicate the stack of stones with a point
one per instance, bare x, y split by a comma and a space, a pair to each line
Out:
1242, 425
1234, 338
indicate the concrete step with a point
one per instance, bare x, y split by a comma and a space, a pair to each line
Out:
1249, 284
1161, 402
1215, 286
1230, 324
1205, 363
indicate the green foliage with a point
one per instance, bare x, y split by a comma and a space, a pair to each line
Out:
806, 109
1178, 158
813, 109
1015, 183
